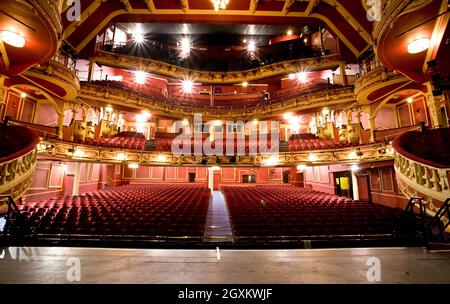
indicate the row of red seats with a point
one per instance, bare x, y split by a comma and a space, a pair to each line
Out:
286, 211
156, 210
247, 146
124, 140
297, 143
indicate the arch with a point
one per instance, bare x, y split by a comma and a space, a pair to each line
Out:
386, 99
49, 99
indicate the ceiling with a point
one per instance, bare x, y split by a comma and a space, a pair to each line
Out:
345, 19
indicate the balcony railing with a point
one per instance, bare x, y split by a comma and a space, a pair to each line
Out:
66, 61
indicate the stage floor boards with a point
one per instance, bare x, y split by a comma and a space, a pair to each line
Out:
98, 265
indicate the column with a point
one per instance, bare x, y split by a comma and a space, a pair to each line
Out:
2, 95
349, 122
355, 186
60, 125
76, 179
434, 107
358, 117
372, 129
343, 74
211, 179
91, 69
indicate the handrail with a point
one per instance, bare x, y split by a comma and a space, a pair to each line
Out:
442, 218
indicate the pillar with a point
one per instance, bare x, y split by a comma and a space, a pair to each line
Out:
355, 186
343, 74
349, 121
434, 107
60, 125
372, 129
358, 117
211, 179
76, 179
91, 69
2, 94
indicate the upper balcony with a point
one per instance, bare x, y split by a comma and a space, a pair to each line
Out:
58, 76
217, 77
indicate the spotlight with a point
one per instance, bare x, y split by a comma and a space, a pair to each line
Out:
139, 77
251, 46
302, 77
138, 35
289, 32
187, 86
185, 46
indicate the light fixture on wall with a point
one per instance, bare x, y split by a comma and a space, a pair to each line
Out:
133, 166
355, 168
161, 158
220, 4
13, 39
301, 168
121, 156
418, 45
23, 95
215, 168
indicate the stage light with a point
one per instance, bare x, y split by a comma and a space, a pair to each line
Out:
137, 35
251, 46
187, 86
133, 166
13, 39
185, 46
418, 45
140, 77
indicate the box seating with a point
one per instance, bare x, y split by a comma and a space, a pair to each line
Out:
302, 213
157, 210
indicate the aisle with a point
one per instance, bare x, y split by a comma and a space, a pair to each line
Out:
218, 226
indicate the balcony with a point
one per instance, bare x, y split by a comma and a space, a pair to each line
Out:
17, 160
422, 166
58, 75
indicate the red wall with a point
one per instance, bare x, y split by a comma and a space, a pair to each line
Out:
147, 174
55, 178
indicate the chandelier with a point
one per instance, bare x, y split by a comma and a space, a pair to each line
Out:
220, 4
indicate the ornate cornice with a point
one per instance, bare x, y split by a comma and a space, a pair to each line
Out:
166, 69
117, 97
90, 153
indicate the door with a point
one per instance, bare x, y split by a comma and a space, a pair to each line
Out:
363, 188
300, 180
216, 181
192, 177
285, 177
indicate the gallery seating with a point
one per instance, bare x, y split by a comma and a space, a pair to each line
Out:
124, 140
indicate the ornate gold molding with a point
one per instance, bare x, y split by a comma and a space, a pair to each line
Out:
235, 77
303, 102
91, 153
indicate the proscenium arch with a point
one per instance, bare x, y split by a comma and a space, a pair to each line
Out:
48, 99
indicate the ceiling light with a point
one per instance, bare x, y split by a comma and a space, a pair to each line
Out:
13, 39
187, 86
23, 94
289, 32
409, 100
139, 77
305, 40
220, 4
133, 166
245, 84
418, 45
251, 46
